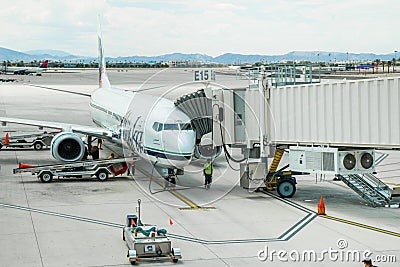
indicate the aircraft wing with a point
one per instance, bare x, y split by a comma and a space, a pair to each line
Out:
76, 128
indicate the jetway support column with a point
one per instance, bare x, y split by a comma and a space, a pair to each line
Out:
254, 114
255, 117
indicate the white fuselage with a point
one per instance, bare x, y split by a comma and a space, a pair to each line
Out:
149, 126
26, 70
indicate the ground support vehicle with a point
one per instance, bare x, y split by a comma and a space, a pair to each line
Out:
147, 242
37, 141
99, 168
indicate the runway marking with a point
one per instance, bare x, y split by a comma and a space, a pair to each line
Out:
297, 227
199, 208
117, 225
287, 235
376, 229
62, 215
223, 242
176, 194
60, 90
292, 231
184, 199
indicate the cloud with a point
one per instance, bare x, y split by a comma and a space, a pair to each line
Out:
205, 26
228, 6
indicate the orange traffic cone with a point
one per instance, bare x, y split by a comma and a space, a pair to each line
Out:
25, 166
6, 140
321, 206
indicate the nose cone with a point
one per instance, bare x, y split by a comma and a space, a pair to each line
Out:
180, 145
185, 141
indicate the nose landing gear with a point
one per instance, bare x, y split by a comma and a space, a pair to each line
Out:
170, 179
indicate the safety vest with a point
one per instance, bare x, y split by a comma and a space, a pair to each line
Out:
208, 168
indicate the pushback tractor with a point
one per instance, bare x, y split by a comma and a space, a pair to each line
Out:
147, 242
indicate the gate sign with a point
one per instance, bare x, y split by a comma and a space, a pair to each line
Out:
204, 75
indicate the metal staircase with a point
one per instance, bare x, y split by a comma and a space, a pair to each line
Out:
272, 180
277, 158
370, 187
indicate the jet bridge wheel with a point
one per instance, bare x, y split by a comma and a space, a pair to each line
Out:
46, 177
286, 188
102, 175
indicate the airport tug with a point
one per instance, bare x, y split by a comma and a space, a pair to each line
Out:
146, 242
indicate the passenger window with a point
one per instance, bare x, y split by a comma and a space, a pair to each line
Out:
155, 126
160, 127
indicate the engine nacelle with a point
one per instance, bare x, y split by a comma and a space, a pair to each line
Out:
67, 147
207, 151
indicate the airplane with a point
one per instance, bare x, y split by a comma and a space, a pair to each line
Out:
149, 126
26, 70
367, 66
233, 67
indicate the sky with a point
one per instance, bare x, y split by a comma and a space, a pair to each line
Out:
148, 27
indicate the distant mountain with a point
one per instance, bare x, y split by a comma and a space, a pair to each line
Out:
227, 58
12, 55
313, 56
51, 52
167, 57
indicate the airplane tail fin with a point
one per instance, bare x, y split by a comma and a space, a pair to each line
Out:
103, 78
44, 64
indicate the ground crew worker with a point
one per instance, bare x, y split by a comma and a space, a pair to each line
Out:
208, 171
131, 167
111, 156
100, 143
95, 153
89, 144
85, 154
368, 263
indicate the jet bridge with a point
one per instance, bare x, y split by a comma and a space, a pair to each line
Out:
327, 128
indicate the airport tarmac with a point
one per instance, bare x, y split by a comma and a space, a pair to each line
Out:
75, 222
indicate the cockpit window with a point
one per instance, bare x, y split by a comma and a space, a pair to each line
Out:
171, 126
157, 126
186, 126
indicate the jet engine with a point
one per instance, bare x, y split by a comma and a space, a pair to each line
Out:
67, 147
206, 151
